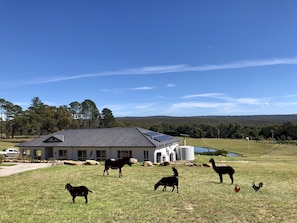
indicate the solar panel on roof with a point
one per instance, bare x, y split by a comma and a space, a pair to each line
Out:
152, 134
163, 138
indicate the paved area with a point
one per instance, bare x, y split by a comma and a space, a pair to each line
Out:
21, 167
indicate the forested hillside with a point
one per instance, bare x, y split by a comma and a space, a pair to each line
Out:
281, 127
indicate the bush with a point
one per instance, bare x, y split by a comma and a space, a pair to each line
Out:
215, 153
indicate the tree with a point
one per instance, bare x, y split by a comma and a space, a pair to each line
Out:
35, 116
108, 121
63, 118
2, 104
76, 111
90, 114
13, 119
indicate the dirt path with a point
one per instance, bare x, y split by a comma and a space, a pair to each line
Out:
21, 167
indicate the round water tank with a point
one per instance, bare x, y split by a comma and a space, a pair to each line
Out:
187, 153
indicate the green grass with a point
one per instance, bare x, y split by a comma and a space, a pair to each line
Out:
256, 148
39, 195
10, 143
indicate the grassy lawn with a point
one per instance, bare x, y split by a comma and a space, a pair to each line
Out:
39, 195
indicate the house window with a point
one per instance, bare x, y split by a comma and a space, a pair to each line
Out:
26, 152
62, 154
101, 155
145, 155
82, 154
37, 154
124, 153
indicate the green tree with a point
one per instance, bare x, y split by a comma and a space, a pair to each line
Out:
2, 105
90, 114
108, 121
76, 111
13, 119
35, 117
63, 118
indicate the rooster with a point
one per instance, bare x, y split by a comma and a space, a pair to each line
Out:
256, 188
236, 189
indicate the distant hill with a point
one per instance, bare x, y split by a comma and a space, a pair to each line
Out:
261, 120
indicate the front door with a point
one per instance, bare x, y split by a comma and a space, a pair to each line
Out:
159, 157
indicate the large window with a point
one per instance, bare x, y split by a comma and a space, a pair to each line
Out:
37, 154
82, 155
26, 152
101, 155
124, 153
145, 155
63, 154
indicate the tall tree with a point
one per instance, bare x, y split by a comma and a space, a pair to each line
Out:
35, 115
13, 119
90, 114
108, 121
2, 104
76, 111
63, 117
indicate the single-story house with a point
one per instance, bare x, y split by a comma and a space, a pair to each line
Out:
103, 143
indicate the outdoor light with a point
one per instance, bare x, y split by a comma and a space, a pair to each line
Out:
248, 142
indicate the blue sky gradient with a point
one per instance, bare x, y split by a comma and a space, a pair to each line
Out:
145, 58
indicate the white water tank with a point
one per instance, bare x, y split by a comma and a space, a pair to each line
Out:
185, 152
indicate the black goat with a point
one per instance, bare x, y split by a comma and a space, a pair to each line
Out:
256, 188
169, 181
78, 191
222, 170
116, 164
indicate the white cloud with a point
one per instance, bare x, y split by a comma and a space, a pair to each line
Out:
170, 85
172, 69
206, 95
201, 105
121, 90
250, 101
141, 88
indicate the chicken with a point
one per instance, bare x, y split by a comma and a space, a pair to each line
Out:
236, 189
256, 188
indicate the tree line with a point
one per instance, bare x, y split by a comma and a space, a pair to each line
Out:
41, 119
259, 127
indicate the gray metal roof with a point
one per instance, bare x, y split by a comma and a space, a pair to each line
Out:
102, 137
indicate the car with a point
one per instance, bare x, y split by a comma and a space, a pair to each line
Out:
10, 152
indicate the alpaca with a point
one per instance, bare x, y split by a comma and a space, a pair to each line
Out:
222, 170
77, 191
169, 181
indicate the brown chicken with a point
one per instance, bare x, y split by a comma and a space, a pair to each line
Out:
236, 189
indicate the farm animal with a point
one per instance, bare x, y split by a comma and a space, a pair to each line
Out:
256, 188
171, 181
222, 170
116, 164
236, 188
77, 191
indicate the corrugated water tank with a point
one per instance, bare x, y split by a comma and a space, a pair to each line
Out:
185, 152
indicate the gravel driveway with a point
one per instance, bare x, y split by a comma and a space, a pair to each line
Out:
21, 167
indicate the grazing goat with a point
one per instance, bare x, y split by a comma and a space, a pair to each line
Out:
77, 191
222, 170
256, 188
169, 181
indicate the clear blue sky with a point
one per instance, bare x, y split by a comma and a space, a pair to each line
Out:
143, 58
